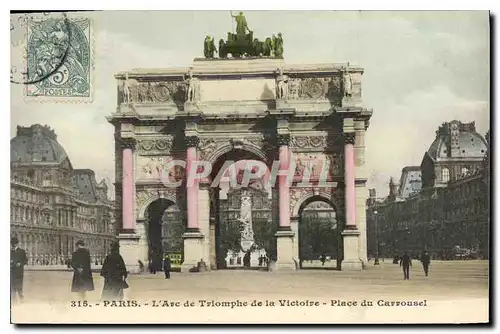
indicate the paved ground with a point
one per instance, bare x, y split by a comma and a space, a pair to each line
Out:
454, 291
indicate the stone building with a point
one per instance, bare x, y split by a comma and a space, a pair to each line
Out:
450, 212
54, 205
457, 151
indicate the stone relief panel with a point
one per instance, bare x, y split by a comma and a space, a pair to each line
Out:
157, 91
329, 88
324, 142
155, 146
154, 169
320, 165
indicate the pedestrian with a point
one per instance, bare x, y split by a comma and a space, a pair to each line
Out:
82, 272
323, 259
405, 262
152, 263
426, 261
18, 260
114, 272
167, 267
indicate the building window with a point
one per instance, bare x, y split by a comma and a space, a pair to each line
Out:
46, 218
445, 175
464, 171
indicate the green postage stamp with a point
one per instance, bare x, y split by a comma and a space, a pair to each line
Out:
59, 58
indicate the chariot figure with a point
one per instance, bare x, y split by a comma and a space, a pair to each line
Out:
241, 24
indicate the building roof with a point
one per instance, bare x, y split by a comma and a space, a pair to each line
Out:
410, 182
457, 140
36, 144
85, 183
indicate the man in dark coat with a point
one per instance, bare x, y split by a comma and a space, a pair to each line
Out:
114, 272
167, 266
82, 276
18, 260
426, 261
405, 262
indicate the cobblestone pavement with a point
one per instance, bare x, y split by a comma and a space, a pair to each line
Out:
450, 283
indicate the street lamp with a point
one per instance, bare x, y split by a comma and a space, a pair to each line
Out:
376, 263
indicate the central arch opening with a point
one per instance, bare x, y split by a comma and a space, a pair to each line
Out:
243, 215
320, 239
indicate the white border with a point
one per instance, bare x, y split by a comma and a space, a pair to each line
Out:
198, 5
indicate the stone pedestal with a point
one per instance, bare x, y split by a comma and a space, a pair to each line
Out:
285, 250
351, 260
193, 250
130, 251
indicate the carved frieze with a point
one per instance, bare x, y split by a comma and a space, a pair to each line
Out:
157, 92
314, 88
326, 142
155, 146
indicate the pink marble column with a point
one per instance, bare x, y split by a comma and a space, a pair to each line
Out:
192, 191
284, 189
128, 220
350, 187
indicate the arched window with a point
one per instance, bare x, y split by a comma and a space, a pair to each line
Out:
445, 174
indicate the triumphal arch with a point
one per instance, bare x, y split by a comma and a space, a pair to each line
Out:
249, 107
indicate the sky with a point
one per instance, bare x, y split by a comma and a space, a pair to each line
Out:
421, 69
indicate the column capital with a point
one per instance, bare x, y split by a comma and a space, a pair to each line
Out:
349, 138
192, 141
283, 139
128, 143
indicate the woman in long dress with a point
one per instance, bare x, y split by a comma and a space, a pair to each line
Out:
114, 272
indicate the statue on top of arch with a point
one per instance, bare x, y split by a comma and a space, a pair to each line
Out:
243, 44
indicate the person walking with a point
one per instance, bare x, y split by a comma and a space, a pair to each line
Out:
405, 262
426, 261
114, 272
167, 267
82, 272
18, 260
